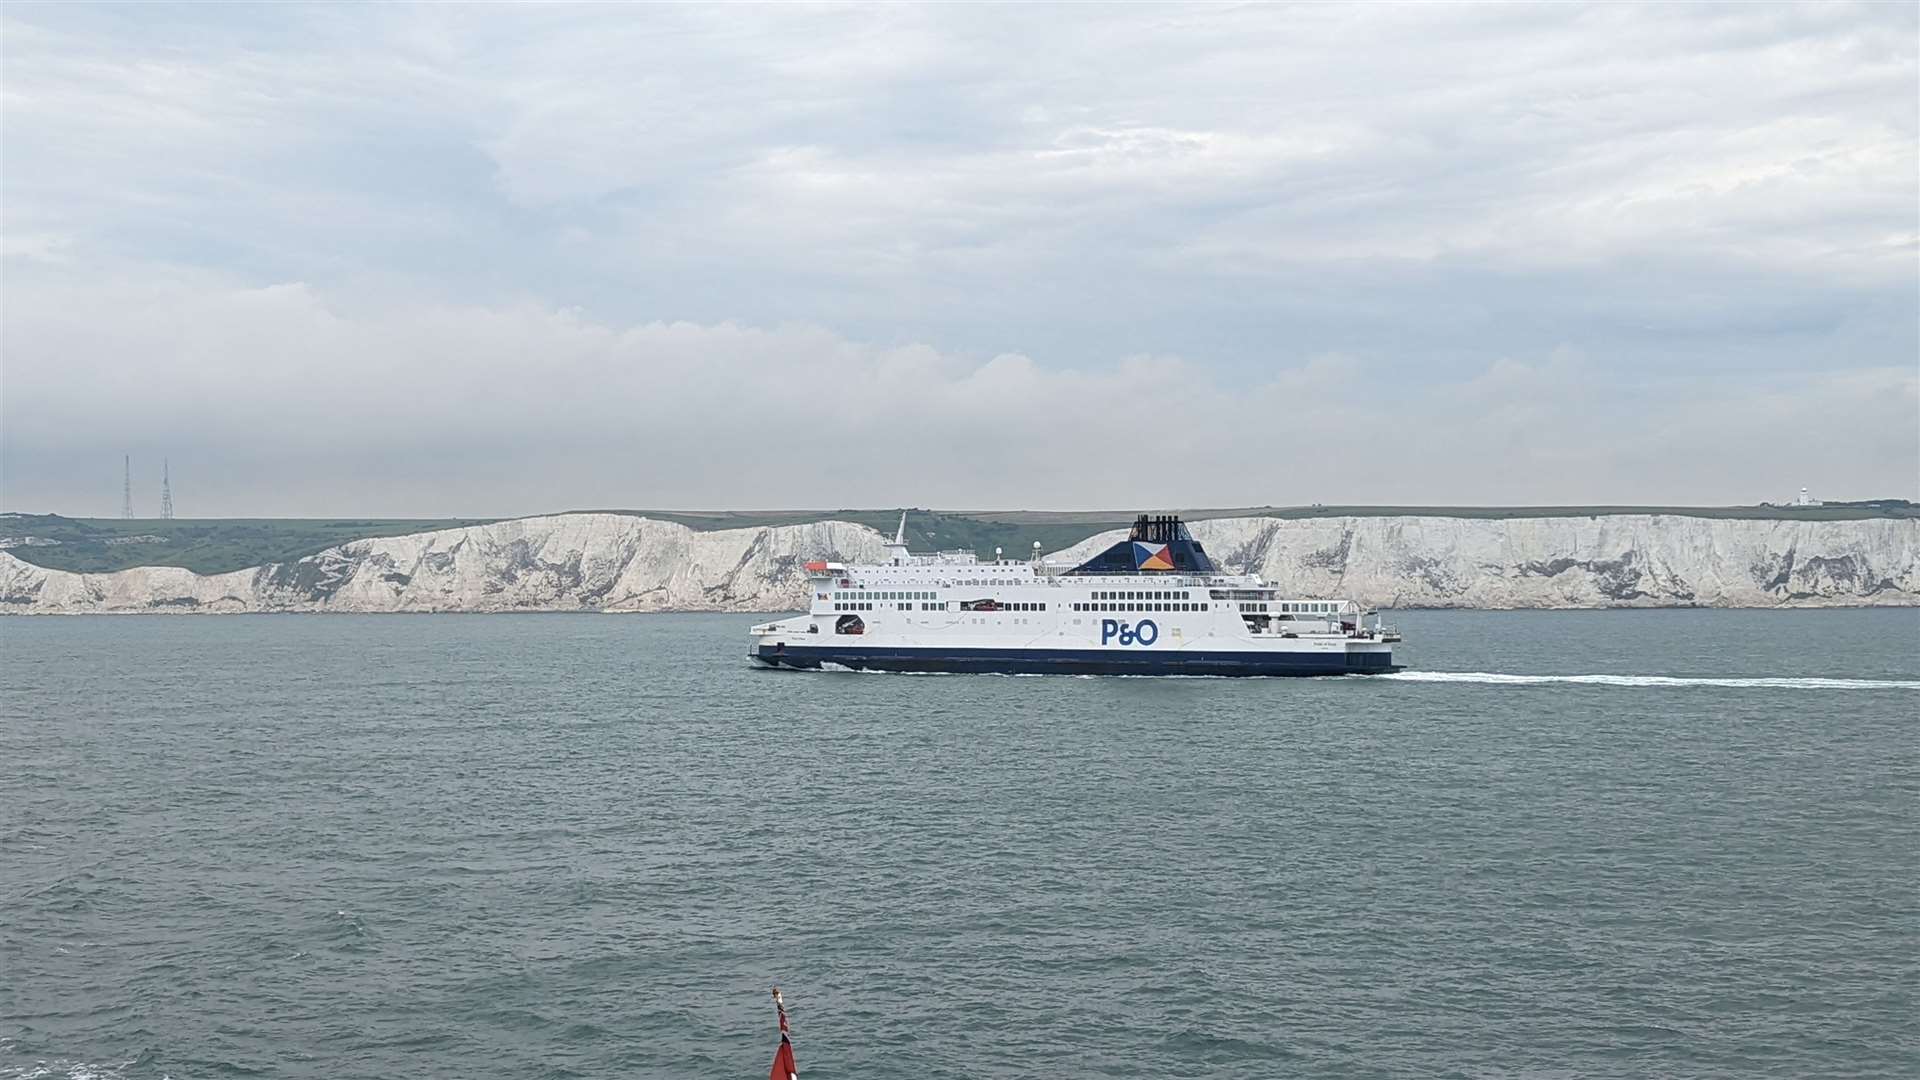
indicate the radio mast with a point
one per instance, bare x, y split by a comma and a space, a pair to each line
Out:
166, 492
126, 489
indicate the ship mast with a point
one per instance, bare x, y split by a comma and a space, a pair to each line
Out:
897, 550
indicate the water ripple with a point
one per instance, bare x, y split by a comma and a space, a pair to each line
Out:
550, 846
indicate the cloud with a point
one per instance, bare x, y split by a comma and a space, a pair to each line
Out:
966, 253
284, 400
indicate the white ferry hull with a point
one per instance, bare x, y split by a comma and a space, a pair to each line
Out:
1047, 661
1152, 604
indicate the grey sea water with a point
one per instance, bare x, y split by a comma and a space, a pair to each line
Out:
584, 846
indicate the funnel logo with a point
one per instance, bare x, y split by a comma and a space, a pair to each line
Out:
1143, 632
1152, 556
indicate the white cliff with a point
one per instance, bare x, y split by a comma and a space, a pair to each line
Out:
566, 562
615, 562
1623, 560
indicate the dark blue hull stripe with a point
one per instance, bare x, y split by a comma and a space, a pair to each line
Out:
1075, 661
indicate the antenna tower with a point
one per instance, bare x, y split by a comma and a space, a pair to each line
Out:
166, 492
126, 489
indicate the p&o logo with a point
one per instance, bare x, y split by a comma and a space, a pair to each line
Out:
1143, 632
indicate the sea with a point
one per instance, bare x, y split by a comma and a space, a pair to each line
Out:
1562, 844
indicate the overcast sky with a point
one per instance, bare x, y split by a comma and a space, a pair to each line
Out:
497, 260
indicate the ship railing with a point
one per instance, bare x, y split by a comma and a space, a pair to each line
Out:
1378, 631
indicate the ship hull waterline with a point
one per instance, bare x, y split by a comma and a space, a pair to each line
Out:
988, 661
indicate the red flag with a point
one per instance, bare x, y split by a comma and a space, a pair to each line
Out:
783, 1067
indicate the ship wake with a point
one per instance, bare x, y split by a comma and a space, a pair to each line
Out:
1490, 678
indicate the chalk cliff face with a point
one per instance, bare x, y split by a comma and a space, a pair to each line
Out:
566, 562
1570, 562
613, 562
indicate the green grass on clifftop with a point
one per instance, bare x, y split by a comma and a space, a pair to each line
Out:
203, 545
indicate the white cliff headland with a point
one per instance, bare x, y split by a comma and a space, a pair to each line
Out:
623, 563
1602, 561
565, 562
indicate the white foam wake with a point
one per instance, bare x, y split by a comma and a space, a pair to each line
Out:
1495, 679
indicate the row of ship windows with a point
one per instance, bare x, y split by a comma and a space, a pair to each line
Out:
1136, 600
965, 605
995, 605
1303, 609
1137, 605
869, 594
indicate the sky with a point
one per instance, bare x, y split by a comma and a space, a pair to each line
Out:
443, 260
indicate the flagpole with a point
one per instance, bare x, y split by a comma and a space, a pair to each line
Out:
783, 1066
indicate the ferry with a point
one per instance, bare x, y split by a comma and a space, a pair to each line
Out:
1151, 604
